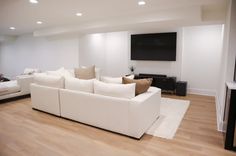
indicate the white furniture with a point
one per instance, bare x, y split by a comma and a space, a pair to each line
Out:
15, 88
45, 99
45, 94
128, 116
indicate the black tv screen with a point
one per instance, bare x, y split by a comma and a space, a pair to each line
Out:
158, 46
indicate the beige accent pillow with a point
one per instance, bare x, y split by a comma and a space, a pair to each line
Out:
142, 85
85, 73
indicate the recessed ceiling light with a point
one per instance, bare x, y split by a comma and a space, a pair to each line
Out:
12, 28
34, 1
141, 3
39, 22
79, 14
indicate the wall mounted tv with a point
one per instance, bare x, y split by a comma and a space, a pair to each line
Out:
158, 46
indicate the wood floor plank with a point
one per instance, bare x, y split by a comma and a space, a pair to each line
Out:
27, 132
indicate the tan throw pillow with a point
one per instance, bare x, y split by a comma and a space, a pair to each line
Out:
142, 85
85, 73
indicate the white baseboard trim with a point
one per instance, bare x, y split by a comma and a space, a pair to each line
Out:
218, 115
201, 91
220, 122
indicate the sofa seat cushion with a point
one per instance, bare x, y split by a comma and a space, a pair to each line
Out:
49, 80
79, 84
115, 90
142, 85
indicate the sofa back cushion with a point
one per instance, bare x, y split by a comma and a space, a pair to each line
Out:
61, 72
117, 80
79, 84
85, 73
107, 79
142, 85
114, 90
49, 80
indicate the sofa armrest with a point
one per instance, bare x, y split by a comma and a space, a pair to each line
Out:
145, 96
143, 111
24, 82
45, 99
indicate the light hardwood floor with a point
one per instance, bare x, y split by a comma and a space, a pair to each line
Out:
27, 132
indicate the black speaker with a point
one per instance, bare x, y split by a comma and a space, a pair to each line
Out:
181, 88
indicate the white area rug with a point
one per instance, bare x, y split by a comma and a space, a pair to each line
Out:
172, 113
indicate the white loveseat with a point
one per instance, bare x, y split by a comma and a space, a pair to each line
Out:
131, 117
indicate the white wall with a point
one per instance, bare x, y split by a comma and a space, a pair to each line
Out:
198, 56
202, 48
111, 52
36, 52
108, 51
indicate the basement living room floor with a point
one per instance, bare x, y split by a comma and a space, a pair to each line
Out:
27, 132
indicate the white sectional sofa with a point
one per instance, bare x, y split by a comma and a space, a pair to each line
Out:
128, 116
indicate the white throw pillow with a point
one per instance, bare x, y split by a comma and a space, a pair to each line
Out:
114, 90
30, 71
98, 73
117, 80
107, 79
49, 80
79, 84
71, 72
61, 72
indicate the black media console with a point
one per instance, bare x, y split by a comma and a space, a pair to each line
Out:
167, 84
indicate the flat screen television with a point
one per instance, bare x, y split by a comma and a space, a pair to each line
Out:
157, 46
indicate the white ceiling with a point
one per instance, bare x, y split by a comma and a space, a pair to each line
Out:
100, 15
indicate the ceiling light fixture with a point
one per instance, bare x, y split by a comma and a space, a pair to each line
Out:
12, 28
39, 22
34, 1
141, 3
79, 14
